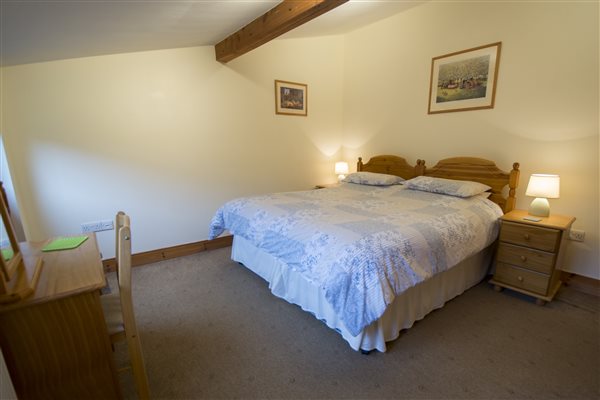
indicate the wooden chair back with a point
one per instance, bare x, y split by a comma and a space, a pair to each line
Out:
123, 258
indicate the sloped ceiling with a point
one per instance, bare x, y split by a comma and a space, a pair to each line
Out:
45, 30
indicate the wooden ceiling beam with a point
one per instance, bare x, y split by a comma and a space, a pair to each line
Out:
284, 17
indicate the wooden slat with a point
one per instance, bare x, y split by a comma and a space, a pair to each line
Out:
284, 17
131, 333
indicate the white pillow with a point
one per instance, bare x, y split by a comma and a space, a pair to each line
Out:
372, 178
446, 186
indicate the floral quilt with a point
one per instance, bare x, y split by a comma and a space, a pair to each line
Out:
363, 245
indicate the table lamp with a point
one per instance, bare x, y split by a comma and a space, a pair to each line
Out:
542, 187
341, 169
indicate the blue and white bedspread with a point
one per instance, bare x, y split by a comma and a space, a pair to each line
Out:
362, 245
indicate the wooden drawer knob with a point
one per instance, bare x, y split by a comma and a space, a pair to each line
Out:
520, 278
523, 258
526, 236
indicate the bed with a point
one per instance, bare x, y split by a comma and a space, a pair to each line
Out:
371, 256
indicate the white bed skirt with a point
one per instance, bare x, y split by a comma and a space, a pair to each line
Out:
410, 306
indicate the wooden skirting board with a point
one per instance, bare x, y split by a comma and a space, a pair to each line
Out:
152, 256
581, 283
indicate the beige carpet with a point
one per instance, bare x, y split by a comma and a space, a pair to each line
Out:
211, 329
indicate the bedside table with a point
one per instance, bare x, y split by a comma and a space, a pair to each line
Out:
528, 254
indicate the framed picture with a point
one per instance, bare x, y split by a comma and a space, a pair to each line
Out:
291, 98
465, 80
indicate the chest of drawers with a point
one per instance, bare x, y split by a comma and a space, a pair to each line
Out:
529, 253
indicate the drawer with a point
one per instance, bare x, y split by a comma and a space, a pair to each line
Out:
536, 237
522, 278
524, 257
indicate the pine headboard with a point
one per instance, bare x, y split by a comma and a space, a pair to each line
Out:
459, 168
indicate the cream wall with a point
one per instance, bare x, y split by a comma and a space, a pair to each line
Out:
170, 135
167, 136
546, 113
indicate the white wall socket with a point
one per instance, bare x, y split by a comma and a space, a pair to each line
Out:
97, 226
577, 235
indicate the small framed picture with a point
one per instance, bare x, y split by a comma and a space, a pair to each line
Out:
291, 98
465, 80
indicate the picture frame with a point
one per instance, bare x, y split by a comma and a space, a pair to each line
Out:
464, 80
291, 98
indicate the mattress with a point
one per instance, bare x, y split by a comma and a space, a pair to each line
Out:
359, 246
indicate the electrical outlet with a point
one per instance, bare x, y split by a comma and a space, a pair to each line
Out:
107, 225
90, 227
97, 226
577, 235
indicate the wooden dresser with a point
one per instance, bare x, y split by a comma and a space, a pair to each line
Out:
55, 342
529, 253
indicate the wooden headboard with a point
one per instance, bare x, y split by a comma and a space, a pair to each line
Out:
483, 171
459, 168
387, 164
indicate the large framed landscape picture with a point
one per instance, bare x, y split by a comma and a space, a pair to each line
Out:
291, 98
464, 80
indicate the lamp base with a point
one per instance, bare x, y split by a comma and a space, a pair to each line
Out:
539, 207
341, 177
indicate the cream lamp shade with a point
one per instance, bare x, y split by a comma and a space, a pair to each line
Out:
341, 169
542, 187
